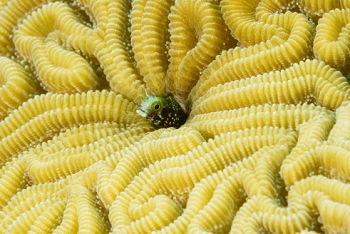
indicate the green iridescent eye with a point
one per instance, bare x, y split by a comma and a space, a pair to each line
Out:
157, 106
162, 112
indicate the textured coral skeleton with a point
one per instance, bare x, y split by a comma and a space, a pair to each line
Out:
265, 148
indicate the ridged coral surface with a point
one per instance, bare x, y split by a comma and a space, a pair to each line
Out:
265, 148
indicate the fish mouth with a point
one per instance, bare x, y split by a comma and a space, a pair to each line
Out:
142, 113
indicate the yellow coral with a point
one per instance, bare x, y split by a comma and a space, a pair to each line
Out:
45, 164
9, 15
316, 8
299, 84
115, 54
197, 36
247, 26
17, 86
317, 154
275, 54
315, 193
175, 177
276, 115
265, 148
332, 38
44, 116
149, 36
12, 180
59, 70
154, 147
44, 196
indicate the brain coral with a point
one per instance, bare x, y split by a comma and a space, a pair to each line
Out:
265, 147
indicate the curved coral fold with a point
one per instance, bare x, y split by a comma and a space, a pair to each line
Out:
115, 54
59, 70
47, 164
317, 8
265, 141
154, 147
312, 193
323, 86
17, 86
177, 179
46, 115
195, 41
149, 37
275, 54
9, 14
246, 25
332, 38
277, 115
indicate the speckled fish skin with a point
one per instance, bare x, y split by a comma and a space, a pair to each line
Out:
168, 113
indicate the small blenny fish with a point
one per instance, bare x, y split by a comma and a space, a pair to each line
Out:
162, 112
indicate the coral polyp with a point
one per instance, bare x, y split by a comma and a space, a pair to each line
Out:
174, 116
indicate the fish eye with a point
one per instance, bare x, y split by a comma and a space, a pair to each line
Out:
157, 106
